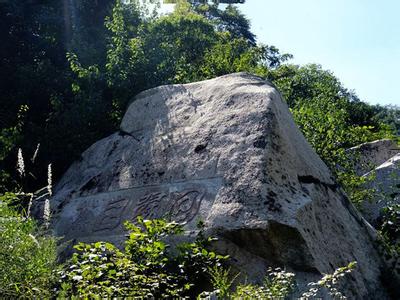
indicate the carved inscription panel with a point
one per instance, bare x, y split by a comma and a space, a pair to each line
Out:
103, 214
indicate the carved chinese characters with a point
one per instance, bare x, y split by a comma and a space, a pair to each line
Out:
149, 205
104, 214
178, 206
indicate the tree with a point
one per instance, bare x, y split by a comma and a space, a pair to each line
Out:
331, 118
34, 72
229, 19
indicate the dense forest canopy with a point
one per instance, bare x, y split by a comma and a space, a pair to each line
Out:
68, 72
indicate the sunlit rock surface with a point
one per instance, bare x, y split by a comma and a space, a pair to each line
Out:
368, 156
386, 188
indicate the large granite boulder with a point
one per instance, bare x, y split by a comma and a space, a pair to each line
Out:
228, 152
386, 187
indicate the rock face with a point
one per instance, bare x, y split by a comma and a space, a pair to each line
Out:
370, 155
386, 184
380, 160
228, 152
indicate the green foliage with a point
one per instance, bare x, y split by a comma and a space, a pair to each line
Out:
196, 259
93, 272
27, 256
331, 118
390, 229
391, 222
9, 137
145, 269
278, 284
389, 115
27, 253
325, 126
175, 45
329, 282
229, 19
20, 198
389, 242
221, 280
34, 71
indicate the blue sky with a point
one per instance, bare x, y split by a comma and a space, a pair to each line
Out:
358, 40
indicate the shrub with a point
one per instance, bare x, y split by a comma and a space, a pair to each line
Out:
145, 269
389, 234
329, 282
278, 284
391, 223
27, 255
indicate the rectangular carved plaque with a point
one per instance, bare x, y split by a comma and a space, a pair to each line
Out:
103, 214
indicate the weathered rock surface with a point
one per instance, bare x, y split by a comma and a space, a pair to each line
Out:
226, 151
379, 160
386, 184
368, 156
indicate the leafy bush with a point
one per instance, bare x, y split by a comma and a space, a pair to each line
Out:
390, 231
278, 284
221, 280
329, 282
146, 268
27, 255
391, 222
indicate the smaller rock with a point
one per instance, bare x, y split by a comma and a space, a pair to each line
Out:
386, 182
370, 155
